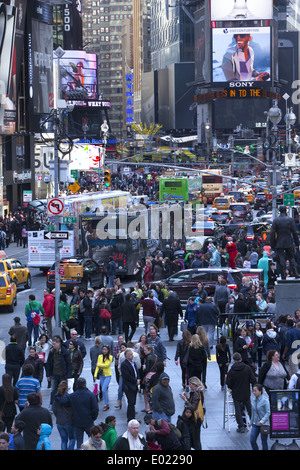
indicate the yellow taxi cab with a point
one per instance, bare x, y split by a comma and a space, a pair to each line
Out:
18, 272
8, 292
297, 194
222, 202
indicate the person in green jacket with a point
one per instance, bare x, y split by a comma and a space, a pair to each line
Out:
64, 311
32, 309
109, 431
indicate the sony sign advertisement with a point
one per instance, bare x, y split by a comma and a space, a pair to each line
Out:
237, 10
241, 55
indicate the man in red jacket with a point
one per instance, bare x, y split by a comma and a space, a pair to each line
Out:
49, 307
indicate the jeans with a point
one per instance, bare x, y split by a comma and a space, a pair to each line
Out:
158, 416
111, 280
79, 432
255, 432
210, 331
31, 326
88, 326
55, 380
120, 389
104, 383
115, 324
147, 323
67, 436
239, 407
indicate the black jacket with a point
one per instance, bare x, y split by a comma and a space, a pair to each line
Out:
128, 311
283, 233
171, 307
14, 354
66, 363
207, 314
84, 406
239, 378
129, 377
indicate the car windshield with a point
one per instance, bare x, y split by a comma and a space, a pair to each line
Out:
237, 207
2, 282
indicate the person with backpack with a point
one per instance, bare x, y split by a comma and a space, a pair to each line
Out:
33, 310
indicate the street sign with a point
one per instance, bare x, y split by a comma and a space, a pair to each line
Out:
56, 235
69, 220
55, 206
289, 200
74, 187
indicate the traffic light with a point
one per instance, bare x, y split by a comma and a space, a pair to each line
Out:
107, 178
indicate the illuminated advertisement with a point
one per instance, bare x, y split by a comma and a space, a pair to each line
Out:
284, 413
78, 71
235, 10
7, 69
241, 54
87, 157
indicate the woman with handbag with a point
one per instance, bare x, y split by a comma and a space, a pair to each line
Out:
260, 414
104, 368
196, 404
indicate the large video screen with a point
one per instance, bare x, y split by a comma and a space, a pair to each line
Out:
241, 54
284, 413
78, 70
235, 10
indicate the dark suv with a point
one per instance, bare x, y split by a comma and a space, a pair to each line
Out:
184, 282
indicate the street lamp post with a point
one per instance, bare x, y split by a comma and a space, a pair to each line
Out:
274, 115
290, 120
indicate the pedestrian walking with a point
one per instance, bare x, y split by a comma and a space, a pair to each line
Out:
239, 378
260, 415
33, 312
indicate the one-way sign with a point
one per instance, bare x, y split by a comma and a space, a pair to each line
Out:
56, 235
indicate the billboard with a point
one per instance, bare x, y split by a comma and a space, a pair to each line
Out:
42, 47
235, 10
284, 421
8, 89
241, 54
78, 71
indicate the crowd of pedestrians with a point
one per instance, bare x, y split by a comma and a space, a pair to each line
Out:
262, 359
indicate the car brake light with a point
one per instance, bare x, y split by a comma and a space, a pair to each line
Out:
8, 291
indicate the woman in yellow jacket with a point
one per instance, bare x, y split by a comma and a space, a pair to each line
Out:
104, 368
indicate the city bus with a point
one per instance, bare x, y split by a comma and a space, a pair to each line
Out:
86, 203
212, 185
125, 250
173, 189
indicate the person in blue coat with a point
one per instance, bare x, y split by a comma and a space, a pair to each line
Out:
85, 409
191, 314
260, 415
44, 431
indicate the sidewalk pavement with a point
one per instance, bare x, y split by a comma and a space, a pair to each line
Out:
214, 437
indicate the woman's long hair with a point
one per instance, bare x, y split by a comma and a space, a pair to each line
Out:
8, 388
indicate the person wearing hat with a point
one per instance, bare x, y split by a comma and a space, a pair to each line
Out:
163, 404
164, 436
283, 238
